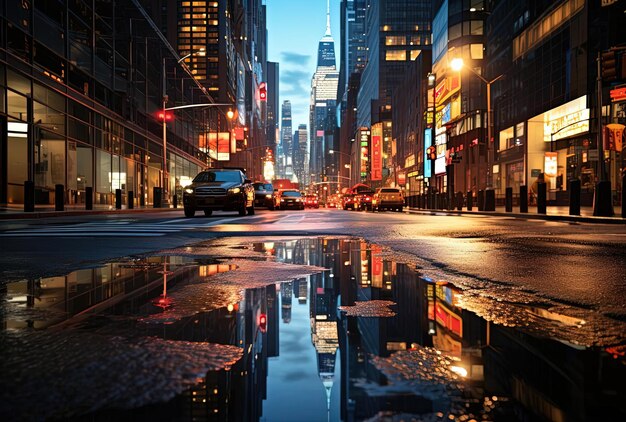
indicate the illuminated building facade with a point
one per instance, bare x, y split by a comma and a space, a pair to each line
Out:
80, 91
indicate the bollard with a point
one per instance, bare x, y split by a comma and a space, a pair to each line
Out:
459, 201
481, 200
131, 199
523, 198
541, 197
59, 198
574, 197
142, 198
88, 198
29, 196
175, 201
508, 201
118, 199
156, 197
490, 200
470, 200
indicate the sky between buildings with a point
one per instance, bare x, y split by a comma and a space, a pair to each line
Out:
295, 28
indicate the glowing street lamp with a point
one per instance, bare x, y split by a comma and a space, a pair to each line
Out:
457, 65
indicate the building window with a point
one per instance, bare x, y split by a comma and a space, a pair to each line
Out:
476, 51
395, 40
395, 55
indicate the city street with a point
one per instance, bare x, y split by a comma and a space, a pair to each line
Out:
462, 295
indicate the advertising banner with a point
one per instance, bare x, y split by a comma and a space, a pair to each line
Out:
377, 158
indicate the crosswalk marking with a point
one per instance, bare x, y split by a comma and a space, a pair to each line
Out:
116, 228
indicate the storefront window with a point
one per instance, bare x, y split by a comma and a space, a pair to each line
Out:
49, 160
17, 161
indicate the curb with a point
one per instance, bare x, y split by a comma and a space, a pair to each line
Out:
527, 216
17, 215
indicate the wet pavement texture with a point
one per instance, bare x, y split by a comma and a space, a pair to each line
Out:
309, 329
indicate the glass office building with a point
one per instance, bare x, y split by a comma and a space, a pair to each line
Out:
82, 84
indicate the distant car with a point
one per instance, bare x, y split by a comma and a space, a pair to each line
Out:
333, 201
264, 195
219, 189
347, 201
290, 198
363, 200
388, 199
311, 201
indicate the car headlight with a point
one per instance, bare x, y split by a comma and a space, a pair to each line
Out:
188, 190
282, 200
268, 196
234, 190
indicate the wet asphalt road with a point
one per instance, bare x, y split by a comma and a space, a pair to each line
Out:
567, 263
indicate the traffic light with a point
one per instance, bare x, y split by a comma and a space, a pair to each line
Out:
608, 62
263, 323
432, 152
263, 91
165, 115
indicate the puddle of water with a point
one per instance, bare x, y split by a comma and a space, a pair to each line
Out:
368, 339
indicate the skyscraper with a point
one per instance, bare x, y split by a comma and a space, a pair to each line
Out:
285, 159
323, 98
300, 153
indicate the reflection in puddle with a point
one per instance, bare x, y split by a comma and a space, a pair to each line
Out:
368, 339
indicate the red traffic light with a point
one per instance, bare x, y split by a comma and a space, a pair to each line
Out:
165, 115
263, 322
263, 91
432, 152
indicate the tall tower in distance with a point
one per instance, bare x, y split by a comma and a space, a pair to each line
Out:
323, 100
285, 160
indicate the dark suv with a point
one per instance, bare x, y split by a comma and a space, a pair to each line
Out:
264, 195
219, 189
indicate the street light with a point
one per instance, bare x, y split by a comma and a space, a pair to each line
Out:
347, 166
457, 64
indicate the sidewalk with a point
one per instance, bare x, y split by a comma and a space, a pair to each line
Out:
553, 213
17, 212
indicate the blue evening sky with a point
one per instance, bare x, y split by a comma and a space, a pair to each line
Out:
295, 28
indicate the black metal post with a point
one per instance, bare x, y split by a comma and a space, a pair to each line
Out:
523, 198
470, 200
175, 200
490, 200
459, 201
574, 197
156, 194
59, 197
481, 200
118, 199
29, 196
541, 197
131, 199
88, 198
508, 202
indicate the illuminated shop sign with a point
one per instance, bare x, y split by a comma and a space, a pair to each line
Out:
550, 164
427, 142
446, 88
565, 120
377, 152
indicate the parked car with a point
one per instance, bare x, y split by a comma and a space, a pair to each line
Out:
290, 198
311, 201
219, 189
388, 199
347, 201
333, 200
264, 195
363, 200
